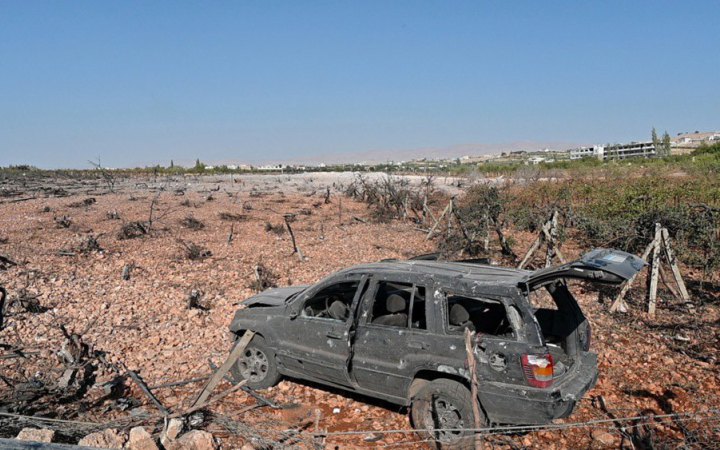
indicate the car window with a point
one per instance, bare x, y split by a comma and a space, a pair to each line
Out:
332, 302
542, 299
399, 305
479, 315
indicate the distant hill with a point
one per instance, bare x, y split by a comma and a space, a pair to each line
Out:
455, 151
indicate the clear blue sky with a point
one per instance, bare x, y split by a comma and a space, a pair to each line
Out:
145, 82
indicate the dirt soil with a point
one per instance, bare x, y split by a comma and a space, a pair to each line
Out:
661, 366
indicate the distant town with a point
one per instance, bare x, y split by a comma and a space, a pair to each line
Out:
657, 147
682, 143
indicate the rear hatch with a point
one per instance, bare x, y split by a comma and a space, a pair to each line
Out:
600, 265
560, 321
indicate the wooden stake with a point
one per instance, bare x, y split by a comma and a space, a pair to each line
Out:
224, 369
619, 303
531, 251
437, 222
655, 267
548, 235
673, 265
450, 215
472, 367
486, 241
296, 249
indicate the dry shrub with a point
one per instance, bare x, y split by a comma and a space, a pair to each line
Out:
263, 278
278, 229
79, 204
193, 300
63, 222
232, 217
132, 230
88, 245
192, 223
193, 251
391, 197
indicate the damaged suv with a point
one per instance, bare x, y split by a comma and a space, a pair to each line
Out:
394, 330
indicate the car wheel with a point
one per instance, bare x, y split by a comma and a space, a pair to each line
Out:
443, 411
256, 365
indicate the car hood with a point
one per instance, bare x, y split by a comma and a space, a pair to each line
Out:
273, 296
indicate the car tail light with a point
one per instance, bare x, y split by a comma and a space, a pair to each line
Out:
538, 370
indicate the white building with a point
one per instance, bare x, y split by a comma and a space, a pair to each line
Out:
618, 151
596, 151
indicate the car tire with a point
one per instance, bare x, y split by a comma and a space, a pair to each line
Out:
257, 365
445, 403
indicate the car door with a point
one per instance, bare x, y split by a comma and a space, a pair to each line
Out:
317, 344
391, 345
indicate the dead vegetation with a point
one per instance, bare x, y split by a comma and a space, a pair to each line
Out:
133, 230
264, 278
83, 203
62, 222
193, 251
149, 322
87, 245
192, 223
277, 229
231, 217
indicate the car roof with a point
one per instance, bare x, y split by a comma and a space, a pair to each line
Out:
471, 272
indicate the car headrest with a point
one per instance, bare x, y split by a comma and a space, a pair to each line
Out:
338, 310
458, 314
395, 304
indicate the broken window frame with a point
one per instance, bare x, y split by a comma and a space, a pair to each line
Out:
368, 301
514, 319
308, 295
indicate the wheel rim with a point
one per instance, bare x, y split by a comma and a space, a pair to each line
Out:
445, 419
253, 365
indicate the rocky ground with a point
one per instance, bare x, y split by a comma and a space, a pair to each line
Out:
81, 263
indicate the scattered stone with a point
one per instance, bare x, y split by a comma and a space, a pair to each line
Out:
193, 440
173, 430
140, 439
109, 438
604, 438
36, 435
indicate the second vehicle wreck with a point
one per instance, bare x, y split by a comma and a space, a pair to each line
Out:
394, 330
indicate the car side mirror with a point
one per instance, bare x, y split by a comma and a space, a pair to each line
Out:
294, 312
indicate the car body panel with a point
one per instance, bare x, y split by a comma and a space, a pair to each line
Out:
600, 265
383, 362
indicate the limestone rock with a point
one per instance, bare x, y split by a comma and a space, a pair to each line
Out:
603, 438
109, 438
140, 439
173, 430
193, 440
36, 434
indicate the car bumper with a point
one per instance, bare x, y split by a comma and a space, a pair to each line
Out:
514, 404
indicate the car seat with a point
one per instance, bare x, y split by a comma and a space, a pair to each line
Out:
396, 317
460, 318
338, 310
